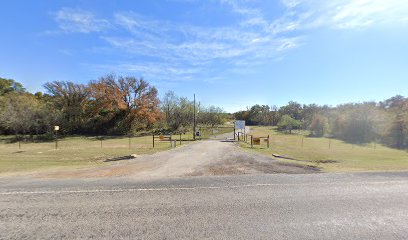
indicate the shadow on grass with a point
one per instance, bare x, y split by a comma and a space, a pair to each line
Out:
129, 157
19, 152
11, 139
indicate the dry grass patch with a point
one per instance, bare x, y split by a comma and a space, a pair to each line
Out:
72, 153
330, 154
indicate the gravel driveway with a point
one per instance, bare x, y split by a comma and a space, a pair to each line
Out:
210, 157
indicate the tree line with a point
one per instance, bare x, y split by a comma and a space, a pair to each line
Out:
116, 105
384, 122
111, 105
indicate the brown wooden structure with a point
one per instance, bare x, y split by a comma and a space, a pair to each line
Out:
257, 140
165, 138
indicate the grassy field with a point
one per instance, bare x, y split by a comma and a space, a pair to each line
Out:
73, 152
330, 155
78, 152
209, 132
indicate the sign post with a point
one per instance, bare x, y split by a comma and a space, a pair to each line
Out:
239, 125
56, 129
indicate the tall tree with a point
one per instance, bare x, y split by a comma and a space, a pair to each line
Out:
211, 116
178, 112
397, 134
287, 124
358, 123
132, 103
23, 114
9, 85
318, 125
293, 109
72, 99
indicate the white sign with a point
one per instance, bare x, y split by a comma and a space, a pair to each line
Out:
56, 128
239, 124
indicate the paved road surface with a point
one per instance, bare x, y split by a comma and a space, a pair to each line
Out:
311, 206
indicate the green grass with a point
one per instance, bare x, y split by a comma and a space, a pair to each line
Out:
316, 151
78, 152
75, 152
208, 132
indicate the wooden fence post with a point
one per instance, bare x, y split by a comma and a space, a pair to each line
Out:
252, 142
153, 140
180, 139
268, 141
56, 140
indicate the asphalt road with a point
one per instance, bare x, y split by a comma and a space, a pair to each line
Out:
313, 206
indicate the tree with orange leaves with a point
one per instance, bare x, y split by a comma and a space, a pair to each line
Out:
124, 103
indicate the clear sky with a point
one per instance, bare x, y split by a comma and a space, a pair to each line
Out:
232, 54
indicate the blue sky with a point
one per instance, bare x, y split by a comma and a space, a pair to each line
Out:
232, 54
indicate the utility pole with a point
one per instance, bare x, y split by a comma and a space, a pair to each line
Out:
194, 123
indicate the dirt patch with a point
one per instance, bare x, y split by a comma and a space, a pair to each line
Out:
251, 164
116, 170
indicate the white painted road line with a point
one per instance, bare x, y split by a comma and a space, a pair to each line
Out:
195, 188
